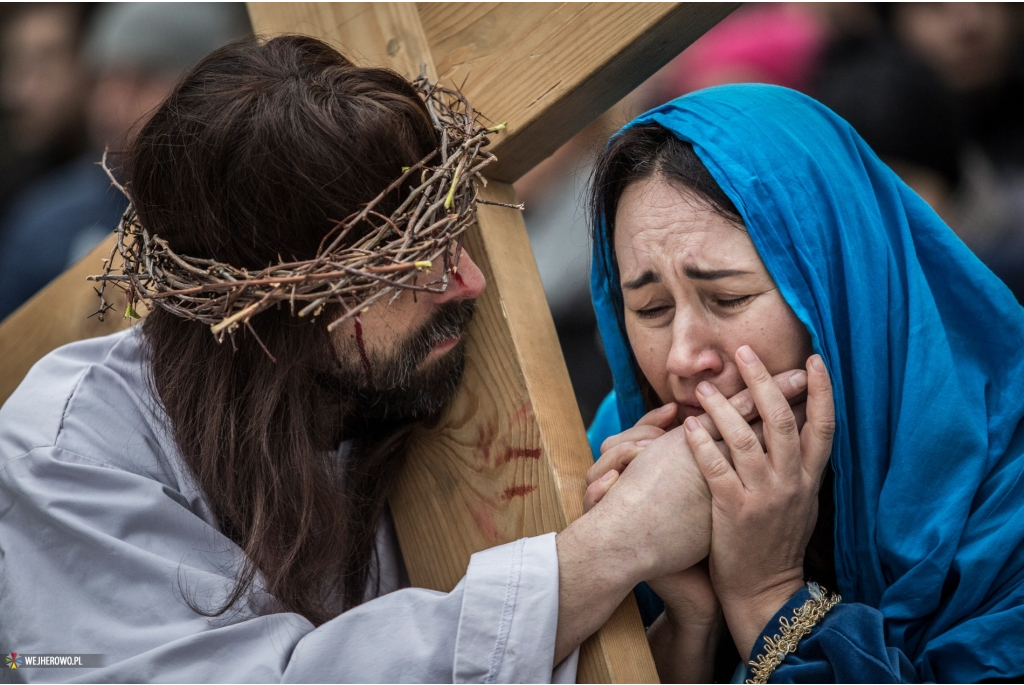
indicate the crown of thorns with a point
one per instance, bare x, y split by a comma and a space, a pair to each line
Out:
391, 256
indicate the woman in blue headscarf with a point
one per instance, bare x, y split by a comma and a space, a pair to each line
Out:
750, 222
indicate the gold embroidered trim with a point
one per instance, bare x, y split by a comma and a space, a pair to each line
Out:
805, 617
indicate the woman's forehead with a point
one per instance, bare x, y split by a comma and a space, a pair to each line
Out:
661, 226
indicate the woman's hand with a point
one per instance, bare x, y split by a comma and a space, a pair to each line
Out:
684, 638
689, 597
617, 451
764, 498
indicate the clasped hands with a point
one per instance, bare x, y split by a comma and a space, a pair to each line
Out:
761, 453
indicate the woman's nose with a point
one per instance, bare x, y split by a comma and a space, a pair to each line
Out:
693, 352
465, 282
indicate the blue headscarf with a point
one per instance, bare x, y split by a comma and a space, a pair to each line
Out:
925, 347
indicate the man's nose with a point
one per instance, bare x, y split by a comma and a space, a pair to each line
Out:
694, 352
465, 282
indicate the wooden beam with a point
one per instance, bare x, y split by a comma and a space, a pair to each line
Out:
465, 40
508, 458
55, 316
549, 69
372, 34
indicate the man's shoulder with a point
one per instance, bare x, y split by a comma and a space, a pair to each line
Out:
89, 398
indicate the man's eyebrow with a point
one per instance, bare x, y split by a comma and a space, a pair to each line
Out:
699, 274
646, 278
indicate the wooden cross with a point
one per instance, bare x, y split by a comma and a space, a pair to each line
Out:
508, 457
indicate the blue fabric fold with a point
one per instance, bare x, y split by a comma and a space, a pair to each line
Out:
925, 347
846, 646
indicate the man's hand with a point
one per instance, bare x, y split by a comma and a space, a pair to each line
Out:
656, 521
618, 450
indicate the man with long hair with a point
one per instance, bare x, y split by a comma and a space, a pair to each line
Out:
195, 509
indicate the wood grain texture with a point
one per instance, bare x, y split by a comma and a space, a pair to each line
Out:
549, 69
57, 315
379, 34
508, 458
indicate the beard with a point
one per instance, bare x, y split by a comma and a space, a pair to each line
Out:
383, 390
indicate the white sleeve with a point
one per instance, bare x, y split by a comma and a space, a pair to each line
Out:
96, 559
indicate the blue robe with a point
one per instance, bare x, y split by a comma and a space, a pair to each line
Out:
925, 347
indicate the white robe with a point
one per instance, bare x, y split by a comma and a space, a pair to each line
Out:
101, 529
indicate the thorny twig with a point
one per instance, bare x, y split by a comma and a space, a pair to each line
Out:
390, 255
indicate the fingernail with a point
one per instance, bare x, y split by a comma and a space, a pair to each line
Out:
691, 423
817, 364
608, 476
798, 380
643, 443
706, 389
670, 405
747, 355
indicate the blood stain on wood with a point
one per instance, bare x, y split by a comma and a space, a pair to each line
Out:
520, 453
517, 491
524, 411
485, 438
487, 435
483, 517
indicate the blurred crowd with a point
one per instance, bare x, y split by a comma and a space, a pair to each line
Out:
74, 78
936, 89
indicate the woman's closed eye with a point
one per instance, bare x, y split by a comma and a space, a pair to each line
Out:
728, 302
653, 312
656, 310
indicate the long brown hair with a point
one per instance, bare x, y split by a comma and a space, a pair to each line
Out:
251, 158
